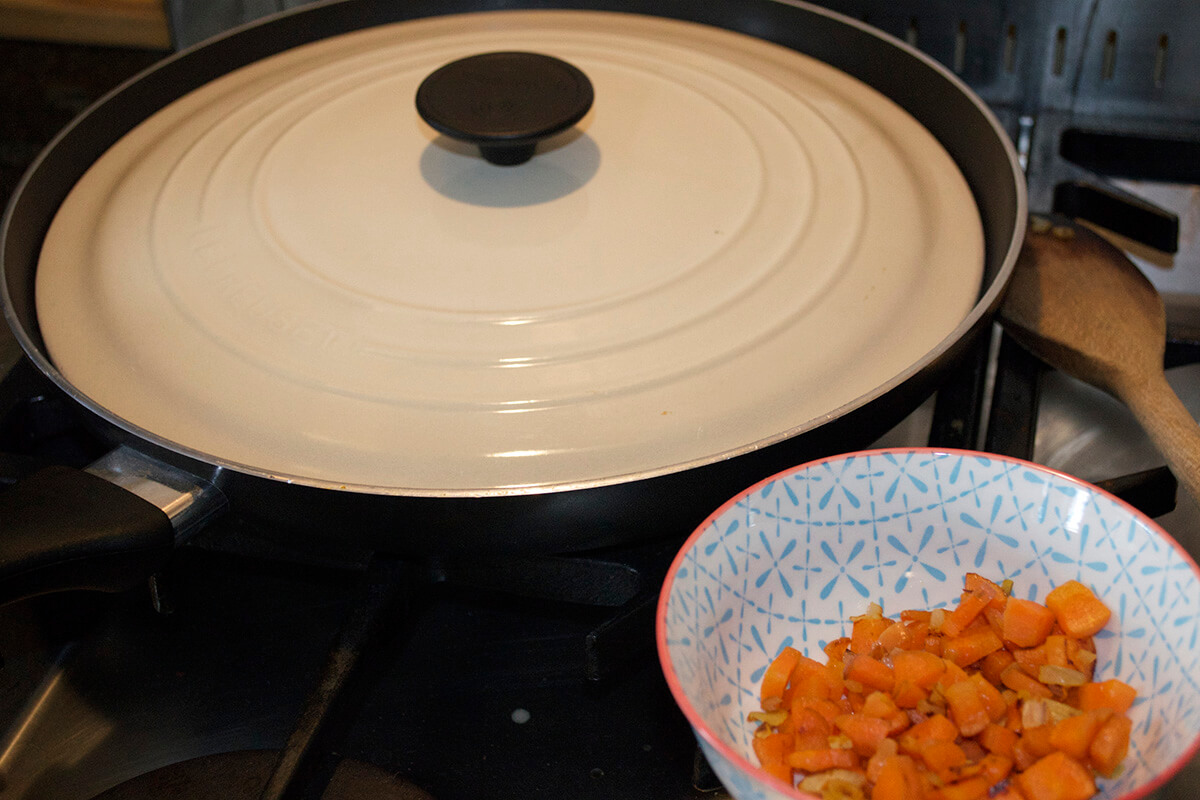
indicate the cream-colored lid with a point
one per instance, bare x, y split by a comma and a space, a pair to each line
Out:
288, 270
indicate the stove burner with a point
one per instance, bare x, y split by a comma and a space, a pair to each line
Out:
242, 776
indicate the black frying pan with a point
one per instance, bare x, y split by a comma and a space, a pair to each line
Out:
37, 516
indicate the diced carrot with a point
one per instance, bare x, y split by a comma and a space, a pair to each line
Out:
1031, 659
836, 650
918, 667
998, 739
1112, 693
1026, 623
1055, 648
979, 623
823, 759
916, 614
810, 729
989, 590
778, 770
908, 695
1008, 791
1018, 680
864, 634
967, 708
943, 759
969, 607
1012, 720
772, 751
1079, 612
953, 674
995, 618
993, 701
1023, 757
1051, 652
779, 672
898, 780
891, 637
1110, 744
773, 746
1081, 654
967, 648
813, 680
870, 672
1074, 735
974, 751
994, 767
898, 722
935, 728
834, 681
879, 704
994, 663
865, 732
807, 718
1037, 739
904, 635
974, 788
1033, 745
1057, 777
810, 741
828, 709
887, 749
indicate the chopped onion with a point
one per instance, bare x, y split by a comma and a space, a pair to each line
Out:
840, 741
1053, 675
1043, 711
772, 718
1033, 713
836, 784
874, 611
929, 708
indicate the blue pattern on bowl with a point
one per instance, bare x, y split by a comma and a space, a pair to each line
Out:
789, 561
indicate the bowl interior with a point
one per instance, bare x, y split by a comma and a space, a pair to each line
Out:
789, 561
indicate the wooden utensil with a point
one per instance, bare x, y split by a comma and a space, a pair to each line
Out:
1078, 303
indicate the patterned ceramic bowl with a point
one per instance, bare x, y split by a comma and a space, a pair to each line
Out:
791, 559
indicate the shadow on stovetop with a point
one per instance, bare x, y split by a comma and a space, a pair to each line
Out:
483, 690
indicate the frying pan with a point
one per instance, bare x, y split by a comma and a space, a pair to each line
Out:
547, 517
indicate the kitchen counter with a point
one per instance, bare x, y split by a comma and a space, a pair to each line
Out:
122, 23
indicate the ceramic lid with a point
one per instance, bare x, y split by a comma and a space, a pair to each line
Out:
288, 270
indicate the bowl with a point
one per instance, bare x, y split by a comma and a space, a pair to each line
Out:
788, 561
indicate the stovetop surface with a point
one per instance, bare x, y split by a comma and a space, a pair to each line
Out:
479, 693
484, 695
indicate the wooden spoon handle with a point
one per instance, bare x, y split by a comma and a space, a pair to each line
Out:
1170, 426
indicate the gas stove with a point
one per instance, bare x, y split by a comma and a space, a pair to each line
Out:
346, 673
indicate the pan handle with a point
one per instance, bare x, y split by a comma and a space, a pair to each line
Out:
107, 528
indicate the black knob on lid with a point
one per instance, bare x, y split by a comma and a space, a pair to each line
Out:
504, 102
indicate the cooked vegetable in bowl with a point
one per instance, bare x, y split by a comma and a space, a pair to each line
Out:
934, 624
995, 697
